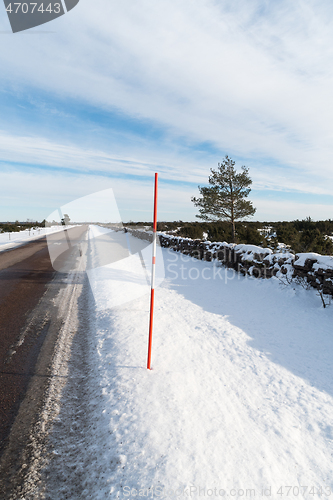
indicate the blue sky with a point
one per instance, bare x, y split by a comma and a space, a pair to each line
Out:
120, 90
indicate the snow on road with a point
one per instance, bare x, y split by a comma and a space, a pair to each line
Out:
239, 402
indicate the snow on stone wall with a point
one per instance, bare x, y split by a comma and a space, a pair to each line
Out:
314, 269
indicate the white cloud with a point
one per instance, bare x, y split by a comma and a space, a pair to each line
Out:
139, 161
38, 194
253, 77
269, 210
144, 161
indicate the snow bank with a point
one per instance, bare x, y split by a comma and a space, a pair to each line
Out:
240, 396
15, 239
125, 276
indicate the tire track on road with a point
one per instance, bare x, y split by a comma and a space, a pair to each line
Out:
30, 323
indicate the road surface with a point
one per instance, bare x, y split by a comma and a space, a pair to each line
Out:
29, 324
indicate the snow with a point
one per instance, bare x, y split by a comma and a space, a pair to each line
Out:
251, 253
321, 261
16, 239
123, 279
252, 249
240, 395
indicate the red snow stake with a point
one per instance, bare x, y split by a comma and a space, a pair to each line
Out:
152, 276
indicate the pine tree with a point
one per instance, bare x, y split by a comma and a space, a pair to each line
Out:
225, 199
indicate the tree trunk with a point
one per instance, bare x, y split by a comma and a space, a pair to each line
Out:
233, 231
232, 212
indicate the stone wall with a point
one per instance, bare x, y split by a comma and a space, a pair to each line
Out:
312, 269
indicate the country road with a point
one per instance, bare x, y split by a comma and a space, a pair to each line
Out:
29, 326
239, 398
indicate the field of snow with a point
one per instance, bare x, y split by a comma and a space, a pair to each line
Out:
239, 402
16, 239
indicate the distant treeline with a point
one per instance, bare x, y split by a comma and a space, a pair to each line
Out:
300, 235
12, 227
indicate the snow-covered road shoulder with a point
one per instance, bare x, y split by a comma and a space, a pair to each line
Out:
239, 398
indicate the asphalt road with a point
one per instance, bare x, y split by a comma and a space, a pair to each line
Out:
25, 274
